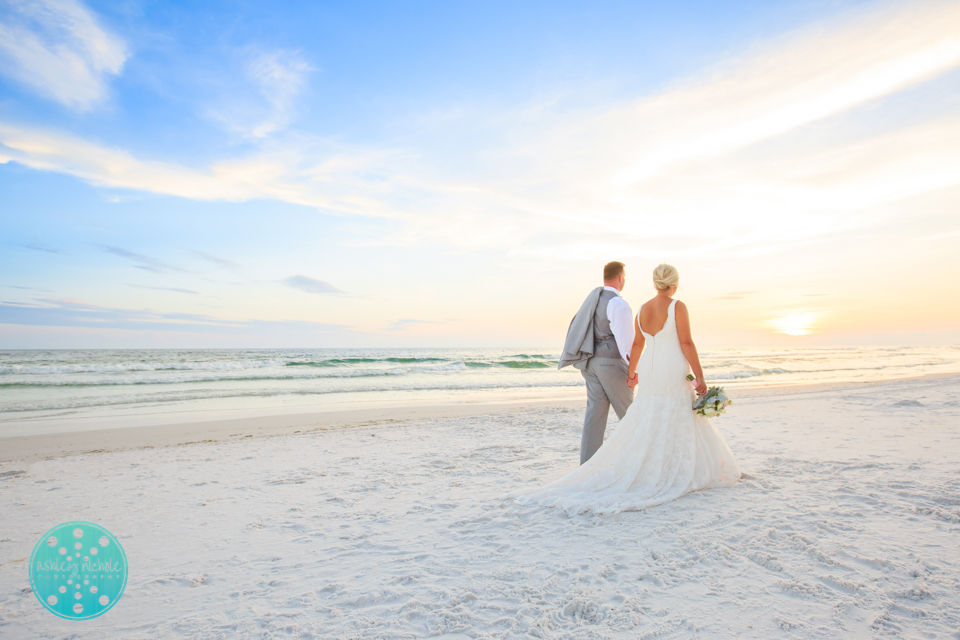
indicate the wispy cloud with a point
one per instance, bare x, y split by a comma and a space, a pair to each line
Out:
942, 236
223, 263
281, 75
313, 173
14, 286
76, 313
174, 289
146, 263
311, 285
406, 323
277, 77
41, 248
736, 295
57, 48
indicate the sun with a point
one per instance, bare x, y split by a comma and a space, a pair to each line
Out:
794, 325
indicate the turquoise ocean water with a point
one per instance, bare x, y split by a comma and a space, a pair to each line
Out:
82, 383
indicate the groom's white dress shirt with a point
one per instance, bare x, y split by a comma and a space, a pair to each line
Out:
621, 323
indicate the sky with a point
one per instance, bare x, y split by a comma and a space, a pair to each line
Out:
437, 174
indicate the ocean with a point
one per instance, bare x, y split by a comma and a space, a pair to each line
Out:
87, 384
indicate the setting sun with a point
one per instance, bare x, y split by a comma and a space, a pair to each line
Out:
795, 325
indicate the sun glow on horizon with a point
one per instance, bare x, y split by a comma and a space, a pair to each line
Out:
800, 324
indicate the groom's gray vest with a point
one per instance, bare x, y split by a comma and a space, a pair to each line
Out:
605, 345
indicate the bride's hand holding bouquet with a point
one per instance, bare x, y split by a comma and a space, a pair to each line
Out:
713, 402
699, 384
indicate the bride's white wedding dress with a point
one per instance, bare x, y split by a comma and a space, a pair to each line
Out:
661, 449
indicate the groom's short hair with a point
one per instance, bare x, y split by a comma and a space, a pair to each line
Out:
612, 270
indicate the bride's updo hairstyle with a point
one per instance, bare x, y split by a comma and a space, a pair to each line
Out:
665, 276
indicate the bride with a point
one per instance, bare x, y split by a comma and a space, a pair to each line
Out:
661, 449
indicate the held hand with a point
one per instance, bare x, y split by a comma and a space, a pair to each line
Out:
701, 387
632, 382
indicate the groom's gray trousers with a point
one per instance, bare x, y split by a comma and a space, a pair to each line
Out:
606, 384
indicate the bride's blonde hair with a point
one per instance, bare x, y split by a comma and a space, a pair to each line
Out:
665, 276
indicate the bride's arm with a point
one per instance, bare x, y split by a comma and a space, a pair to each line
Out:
689, 349
635, 351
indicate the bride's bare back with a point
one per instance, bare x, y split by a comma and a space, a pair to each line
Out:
653, 314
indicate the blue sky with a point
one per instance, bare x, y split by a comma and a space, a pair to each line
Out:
455, 174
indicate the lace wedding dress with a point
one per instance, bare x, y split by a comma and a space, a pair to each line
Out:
660, 451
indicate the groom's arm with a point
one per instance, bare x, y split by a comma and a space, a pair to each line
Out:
621, 323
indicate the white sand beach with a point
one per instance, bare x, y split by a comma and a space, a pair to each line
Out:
846, 524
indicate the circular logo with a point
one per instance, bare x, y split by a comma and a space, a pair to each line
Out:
78, 570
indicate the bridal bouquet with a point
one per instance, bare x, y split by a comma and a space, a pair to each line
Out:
713, 404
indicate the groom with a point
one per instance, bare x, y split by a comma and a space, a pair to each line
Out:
598, 343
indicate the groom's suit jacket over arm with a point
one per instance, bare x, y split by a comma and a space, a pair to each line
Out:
579, 347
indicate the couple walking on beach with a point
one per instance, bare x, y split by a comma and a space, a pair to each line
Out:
662, 449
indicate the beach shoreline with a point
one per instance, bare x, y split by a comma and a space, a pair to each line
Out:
193, 428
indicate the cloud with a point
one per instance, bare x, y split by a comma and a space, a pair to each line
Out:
281, 75
143, 262
76, 313
174, 289
311, 285
277, 77
14, 286
57, 48
736, 295
309, 173
217, 260
802, 78
406, 323
40, 247
400, 325
942, 236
